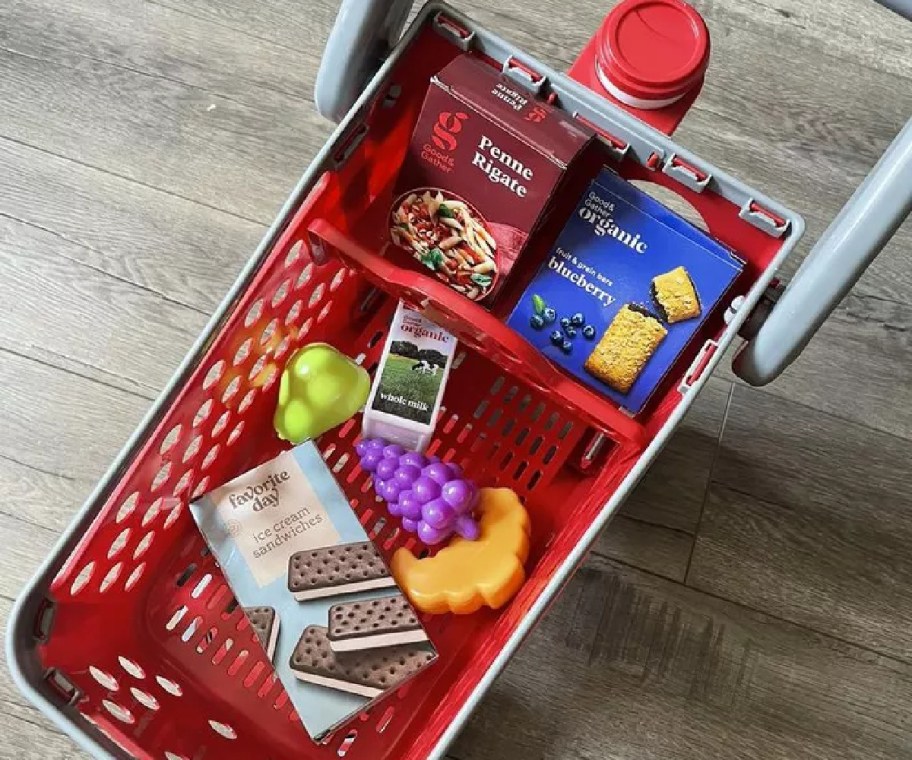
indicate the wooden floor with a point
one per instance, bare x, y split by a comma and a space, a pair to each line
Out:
754, 599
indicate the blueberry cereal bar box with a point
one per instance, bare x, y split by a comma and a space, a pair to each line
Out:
318, 596
623, 291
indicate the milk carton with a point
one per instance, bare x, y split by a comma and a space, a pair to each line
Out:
410, 381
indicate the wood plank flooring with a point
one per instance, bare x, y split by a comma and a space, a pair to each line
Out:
752, 598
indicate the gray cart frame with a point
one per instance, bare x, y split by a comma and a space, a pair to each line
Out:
359, 56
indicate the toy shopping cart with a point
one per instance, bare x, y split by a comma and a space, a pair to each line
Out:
129, 637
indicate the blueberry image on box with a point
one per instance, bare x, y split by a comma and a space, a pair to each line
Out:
630, 284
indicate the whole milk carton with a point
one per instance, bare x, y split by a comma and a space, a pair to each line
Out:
410, 381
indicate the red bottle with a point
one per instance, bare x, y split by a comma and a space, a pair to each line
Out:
649, 57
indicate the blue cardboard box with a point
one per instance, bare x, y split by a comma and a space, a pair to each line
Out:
623, 291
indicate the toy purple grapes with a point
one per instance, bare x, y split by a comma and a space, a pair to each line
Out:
432, 497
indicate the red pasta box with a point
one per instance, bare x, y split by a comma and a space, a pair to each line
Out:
485, 158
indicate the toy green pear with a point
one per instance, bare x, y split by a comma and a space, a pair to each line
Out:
320, 389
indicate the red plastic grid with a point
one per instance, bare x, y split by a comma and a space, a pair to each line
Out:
144, 622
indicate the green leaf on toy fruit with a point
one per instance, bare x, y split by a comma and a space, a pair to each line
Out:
445, 211
538, 304
432, 259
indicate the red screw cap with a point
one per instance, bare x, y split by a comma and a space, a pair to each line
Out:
651, 52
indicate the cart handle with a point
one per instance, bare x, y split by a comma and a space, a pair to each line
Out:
841, 255
364, 33
902, 7
366, 30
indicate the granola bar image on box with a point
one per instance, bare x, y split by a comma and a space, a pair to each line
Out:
675, 296
625, 347
368, 674
337, 570
265, 624
388, 621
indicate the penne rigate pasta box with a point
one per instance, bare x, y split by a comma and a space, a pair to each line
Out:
624, 291
485, 158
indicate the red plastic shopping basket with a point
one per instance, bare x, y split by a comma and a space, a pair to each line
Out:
132, 639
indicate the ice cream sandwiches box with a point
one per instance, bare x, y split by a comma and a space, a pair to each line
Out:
318, 595
623, 291
484, 160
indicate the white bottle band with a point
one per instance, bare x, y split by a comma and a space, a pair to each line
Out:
632, 100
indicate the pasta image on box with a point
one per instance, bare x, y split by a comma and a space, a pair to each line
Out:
623, 291
317, 593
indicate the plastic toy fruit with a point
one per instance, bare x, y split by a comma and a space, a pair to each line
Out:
320, 388
467, 575
432, 497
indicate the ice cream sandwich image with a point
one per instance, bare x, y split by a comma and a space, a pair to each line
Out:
625, 347
265, 624
675, 296
337, 570
368, 674
384, 622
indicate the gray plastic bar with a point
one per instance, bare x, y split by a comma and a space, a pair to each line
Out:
840, 257
902, 7
363, 35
